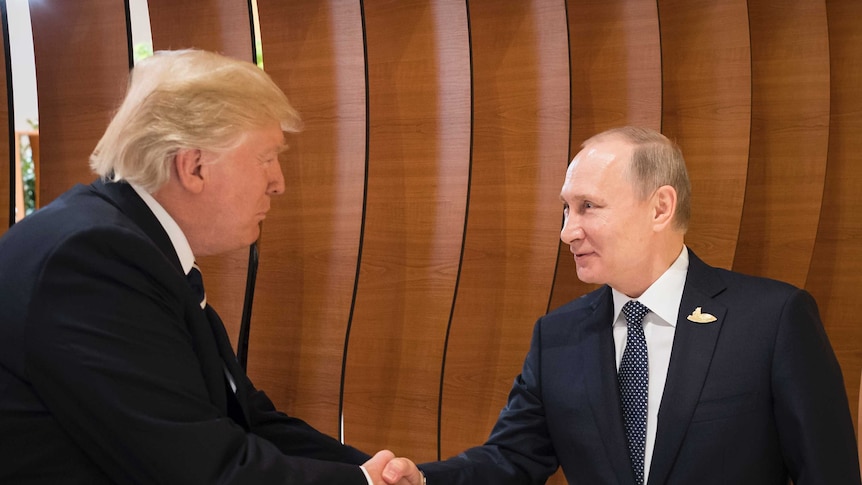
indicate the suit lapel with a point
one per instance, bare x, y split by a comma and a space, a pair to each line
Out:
206, 327
603, 390
693, 347
229, 359
124, 197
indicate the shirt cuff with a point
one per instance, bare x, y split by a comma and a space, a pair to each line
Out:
367, 476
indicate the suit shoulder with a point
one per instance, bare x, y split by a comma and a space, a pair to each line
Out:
586, 302
759, 285
77, 213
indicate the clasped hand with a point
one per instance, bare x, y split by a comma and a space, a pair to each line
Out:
387, 469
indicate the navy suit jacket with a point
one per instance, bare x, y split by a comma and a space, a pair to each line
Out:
755, 397
110, 372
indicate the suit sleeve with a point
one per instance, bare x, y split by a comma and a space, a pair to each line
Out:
811, 407
109, 353
294, 436
519, 450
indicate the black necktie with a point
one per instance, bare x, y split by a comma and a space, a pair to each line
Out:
197, 283
633, 379
234, 409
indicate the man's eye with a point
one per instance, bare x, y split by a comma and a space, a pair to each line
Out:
588, 204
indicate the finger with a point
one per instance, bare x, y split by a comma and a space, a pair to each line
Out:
399, 468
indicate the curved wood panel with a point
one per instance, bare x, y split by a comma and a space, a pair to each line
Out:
82, 68
706, 108
314, 51
418, 172
520, 149
835, 274
789, 138
7, 170
222, 26
615, 57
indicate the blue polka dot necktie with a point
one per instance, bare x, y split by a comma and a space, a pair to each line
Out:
633, 379
197, 283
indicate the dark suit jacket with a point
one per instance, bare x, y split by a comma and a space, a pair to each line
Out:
755, 397
110, 372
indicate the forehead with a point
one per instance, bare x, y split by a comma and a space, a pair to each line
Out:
598, 163
266, 139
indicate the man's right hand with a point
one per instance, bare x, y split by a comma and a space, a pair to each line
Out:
385, 469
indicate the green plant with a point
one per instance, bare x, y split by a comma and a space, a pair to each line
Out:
142, 51
28, 170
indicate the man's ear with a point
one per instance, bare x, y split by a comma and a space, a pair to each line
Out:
188, 164
664, 206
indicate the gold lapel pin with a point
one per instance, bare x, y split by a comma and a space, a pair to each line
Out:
698, 317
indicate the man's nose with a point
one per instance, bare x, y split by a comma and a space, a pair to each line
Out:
571, 230
276, 180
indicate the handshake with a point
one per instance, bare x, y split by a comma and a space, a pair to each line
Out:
385, 468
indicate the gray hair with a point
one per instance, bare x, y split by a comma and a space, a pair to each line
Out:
186, 99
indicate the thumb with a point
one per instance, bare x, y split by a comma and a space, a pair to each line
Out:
380, 459
394, 470
399, 468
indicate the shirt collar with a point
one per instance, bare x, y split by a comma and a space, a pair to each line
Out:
664, 296
178, 239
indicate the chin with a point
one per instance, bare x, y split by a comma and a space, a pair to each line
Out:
586, 276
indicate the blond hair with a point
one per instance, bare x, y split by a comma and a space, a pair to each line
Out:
186, 99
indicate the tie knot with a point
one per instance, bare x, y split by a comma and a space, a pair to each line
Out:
196, 281
635, 312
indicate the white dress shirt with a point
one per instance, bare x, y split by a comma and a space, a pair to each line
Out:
662, 298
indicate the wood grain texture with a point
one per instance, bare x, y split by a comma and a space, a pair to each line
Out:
451, 157
706, 108
789, 139
835, 273
82, 68
221, 26
615, 58
520, 148
314, 52
418, 173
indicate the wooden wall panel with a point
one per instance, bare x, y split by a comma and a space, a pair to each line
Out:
222, 26
7, 157
835, 273
520, 149
615, 57
82, 68
314, 51
789, 138
418, 172
473, 112
706, 108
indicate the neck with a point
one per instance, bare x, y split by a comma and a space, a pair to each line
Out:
654, 268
